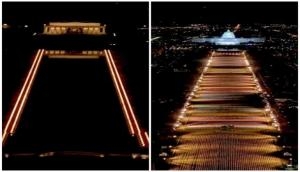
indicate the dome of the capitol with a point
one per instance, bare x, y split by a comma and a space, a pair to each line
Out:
228, 35
228, 38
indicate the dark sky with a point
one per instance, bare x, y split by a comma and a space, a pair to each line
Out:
136, 13
119, 14
224, 12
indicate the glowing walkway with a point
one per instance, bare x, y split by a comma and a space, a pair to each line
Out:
15, 115
226, 123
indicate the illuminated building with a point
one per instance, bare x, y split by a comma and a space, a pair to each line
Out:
228, 38
59, 28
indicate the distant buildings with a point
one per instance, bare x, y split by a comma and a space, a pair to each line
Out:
58, 28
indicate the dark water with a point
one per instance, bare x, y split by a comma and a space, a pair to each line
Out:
73, 106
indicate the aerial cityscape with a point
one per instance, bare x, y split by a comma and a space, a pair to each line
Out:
224, 90
94, 86
70, 100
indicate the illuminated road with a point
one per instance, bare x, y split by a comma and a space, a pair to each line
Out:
226, 123
73, 103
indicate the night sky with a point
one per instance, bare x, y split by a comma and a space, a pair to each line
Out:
122, 14
117, 15
166, 13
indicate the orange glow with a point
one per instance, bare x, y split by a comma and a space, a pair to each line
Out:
119, 93
127, 101
217, 115
27, 91
22, 96
141, 139
147, 137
